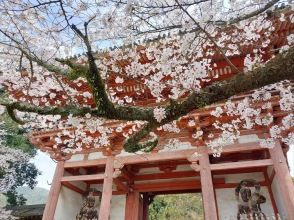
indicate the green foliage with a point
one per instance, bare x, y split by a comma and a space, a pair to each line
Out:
78, 71
26, 172
13, 198
15, 138
34, 196
176, 207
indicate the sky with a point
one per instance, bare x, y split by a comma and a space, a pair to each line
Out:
47, 166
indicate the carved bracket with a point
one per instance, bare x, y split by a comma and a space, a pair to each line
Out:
194, 159
117, 166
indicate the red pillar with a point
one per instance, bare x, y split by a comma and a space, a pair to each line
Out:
209, 203
104, 212
132, 206
283, 177
54, 192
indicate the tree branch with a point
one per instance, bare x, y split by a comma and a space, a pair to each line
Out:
94, 78
254, 13
30, 56
279, 68
63, 111
133, 144
209, 37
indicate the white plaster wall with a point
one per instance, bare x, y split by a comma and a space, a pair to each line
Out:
179, 146
236, 178
278, 198
227, 204
184, 168
248, 138
76, 157
96, 155
118, 204
68, 205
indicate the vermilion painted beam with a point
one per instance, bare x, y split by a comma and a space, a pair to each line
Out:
219, 168
119, 193
239, 170
166, 186
120, 185
104, 212
87, 163
172, 185
283, 178
163, 156
73, 187
127, 175
171, 175
82, 178
241, 164
54, 192
209, 203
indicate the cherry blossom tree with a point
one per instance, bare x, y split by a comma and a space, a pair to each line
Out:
8, 173
167, 47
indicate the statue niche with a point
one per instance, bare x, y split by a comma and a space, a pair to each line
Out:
248, 202
89, 211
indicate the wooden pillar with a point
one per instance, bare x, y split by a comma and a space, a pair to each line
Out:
104, 212
132, 206
54, 192
209, 203
145, 206
283, 178
269, 188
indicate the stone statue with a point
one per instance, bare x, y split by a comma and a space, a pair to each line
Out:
88, 210
248, 202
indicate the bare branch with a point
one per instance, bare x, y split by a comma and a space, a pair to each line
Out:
37, 5
254, 13
34, 58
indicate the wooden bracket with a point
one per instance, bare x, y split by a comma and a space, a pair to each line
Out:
117, 165
194, 159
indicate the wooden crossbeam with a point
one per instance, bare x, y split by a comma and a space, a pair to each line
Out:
172, 185
73, 188
218, 168
82, 178
88, 163
241, 164
120, 185
170, 175
163, 156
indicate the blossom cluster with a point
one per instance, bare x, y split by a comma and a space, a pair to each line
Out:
162, 51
